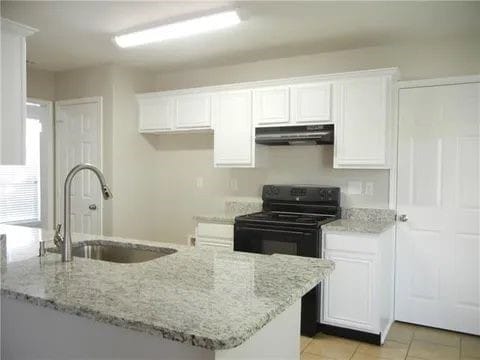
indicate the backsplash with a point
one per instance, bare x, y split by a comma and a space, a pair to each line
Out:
243, 205
363, 214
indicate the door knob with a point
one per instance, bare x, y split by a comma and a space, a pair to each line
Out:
403, 218
92, 207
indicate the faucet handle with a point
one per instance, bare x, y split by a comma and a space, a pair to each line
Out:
58, 238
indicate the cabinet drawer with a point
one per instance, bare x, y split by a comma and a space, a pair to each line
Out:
219, 231
214, 242
362, 243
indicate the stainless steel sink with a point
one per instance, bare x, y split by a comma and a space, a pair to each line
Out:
117, 252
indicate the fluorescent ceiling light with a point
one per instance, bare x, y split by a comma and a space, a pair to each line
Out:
180, 29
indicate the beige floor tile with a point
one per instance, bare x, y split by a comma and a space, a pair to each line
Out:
332, 347
436, 336
359, 356
308, 356
304, 341
468, 358
401, 332
430, 351
470, 346
389, 350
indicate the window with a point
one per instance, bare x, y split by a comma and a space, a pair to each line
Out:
20, 184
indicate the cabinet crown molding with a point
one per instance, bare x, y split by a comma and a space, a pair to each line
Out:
393, 72
15, 27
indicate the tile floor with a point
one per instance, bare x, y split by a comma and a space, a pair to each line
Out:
404, 341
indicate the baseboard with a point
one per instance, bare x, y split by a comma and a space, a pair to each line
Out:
350, 334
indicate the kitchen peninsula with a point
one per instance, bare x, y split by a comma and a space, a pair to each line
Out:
190, 304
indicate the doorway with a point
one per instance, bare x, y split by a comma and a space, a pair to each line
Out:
438, 200
78, 128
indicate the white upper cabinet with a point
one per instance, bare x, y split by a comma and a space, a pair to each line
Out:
311, 103
358, 104
14, 92
271, 106
363, 122
193, 111
159, 112
155, 113
233, 137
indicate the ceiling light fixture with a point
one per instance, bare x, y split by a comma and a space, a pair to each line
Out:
179, 29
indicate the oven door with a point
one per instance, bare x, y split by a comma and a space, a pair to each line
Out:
265, 239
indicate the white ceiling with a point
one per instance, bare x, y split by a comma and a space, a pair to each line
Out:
75, 33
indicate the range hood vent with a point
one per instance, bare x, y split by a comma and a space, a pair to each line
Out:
295, 135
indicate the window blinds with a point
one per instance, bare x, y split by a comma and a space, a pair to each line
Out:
20, 185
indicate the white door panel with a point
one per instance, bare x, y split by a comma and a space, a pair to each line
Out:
78, 138
438, 251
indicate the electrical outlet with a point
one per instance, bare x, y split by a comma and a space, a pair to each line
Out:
369, 188
234, 184
199, 182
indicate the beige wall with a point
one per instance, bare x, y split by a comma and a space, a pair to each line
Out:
154, 178
40, 84
134, 173
416, 61
181, 159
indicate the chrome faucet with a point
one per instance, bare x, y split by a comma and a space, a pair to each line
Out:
64, 243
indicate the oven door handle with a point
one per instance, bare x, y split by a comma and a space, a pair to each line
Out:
272, 230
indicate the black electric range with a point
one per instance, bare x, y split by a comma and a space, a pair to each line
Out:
290, 223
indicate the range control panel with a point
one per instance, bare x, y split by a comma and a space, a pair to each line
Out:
301, 193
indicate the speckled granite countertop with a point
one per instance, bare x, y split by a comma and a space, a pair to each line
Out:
358, 226
215, 299
372, 221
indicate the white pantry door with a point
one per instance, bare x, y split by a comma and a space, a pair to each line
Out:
78, 140
438, 247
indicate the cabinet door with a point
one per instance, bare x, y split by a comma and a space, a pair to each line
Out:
311, 103
271, 106
193, 112
362, 125
155, 114
13, 92
348, 296
233, 137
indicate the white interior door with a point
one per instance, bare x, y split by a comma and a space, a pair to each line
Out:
438, 248
78, 140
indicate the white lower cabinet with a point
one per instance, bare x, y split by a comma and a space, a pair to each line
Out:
359, 293
213, 235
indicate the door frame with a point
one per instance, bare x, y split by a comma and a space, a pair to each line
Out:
410, 84
48, 188
60, 182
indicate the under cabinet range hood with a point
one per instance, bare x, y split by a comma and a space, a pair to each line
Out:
295, 135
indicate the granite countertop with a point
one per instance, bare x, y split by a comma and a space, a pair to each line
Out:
358, 226
216, 218
215, 299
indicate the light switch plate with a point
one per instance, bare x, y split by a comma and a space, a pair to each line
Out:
354, 187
